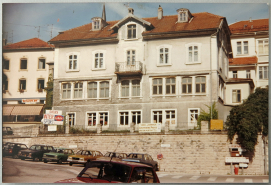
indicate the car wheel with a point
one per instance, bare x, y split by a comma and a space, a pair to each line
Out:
59, 161
45, 161
70, 164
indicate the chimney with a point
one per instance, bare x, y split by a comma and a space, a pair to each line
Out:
131, 11
103, 15
160, 12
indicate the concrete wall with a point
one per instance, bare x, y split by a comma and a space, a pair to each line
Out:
186, 154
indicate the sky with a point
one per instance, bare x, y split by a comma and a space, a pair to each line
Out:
23, 21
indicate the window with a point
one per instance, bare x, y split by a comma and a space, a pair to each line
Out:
23, 64
136, 117
193, 116
104, 89
72, 62
234, 74
96, 25
78, 90
135, 87
71, 119
242, 47
125, 88
183, 16
66, 90
200, 84
170, 85
5, 85
91, 119
263, 46
124, 118
131, 57
131, 30
248, 75
6, 64
40, 84
103, 118
236, 96
92, 90
41, 63
263, 72
157, 117
22, 83
193, 53
187, 85
170, 116
157, 85
99, 60
164, 56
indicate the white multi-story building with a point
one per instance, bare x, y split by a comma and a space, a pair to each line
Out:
248, 68
142, 70
25, 65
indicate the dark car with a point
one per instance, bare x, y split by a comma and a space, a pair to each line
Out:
114, 171
115, 155
35, 152
58, 155
7, 131
12, 149
143, 158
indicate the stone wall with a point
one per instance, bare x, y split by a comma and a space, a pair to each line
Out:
183, 153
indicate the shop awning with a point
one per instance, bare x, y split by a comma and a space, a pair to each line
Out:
27, 110
7, 110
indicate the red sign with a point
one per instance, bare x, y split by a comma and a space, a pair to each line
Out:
160, 156
59, 118
48, 116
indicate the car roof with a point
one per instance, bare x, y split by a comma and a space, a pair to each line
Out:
116, 161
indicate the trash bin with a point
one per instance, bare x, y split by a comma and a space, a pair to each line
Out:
236, 168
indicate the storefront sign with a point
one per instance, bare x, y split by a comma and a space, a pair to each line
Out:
237, 160
52, 127
58, 120
243, 165
48, 119
55, 112
30, 101
149, 127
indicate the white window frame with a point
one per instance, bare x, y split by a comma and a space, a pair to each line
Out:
164, 116
71, 89
130, 117
169, 47
20, 66
190, 123
68, 62
264, 72
236, 101
200, 83
38, 85
242, 47
186, 87
234, 74
41, 69
67, 118
94, 60
74, 89
132, 57
248, 73
193, 44
20, 85
87, 117
136, 27
92, 89
265, 42
130, 89
6, 60
98, 118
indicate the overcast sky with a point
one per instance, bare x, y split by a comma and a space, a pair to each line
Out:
22, 21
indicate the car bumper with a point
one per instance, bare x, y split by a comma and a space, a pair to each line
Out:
76, 162
50, 159
24, 157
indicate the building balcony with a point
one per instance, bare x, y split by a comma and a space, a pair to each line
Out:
122, 68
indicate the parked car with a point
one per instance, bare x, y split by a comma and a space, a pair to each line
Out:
7, 131
114, 171
35, 152
82, 156
12, 149
143, 158
115, 155
58, 155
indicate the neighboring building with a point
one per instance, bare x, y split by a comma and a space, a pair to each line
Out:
249, 66
142, 70
24, 64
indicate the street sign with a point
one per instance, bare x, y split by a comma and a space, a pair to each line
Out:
149, 127
243, 165
237, 160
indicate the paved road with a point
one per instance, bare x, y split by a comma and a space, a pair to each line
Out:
19, 171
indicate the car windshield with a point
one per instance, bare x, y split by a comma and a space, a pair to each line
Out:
57, 150
35, 147
106, 171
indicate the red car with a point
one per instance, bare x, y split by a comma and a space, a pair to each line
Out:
108, 170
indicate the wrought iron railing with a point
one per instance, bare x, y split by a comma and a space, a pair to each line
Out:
136, 66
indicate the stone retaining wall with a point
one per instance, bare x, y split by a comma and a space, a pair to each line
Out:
183, 154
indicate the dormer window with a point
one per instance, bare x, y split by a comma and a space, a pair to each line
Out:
184, 15
96, 25
131, 31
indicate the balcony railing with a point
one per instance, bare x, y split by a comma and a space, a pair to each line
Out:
134, 68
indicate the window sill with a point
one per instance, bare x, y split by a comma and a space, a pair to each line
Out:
131, 39
242, 54
41, 69
98, 69
23, 70
130, 97
70, 71
164, 65
6, 70
191, 63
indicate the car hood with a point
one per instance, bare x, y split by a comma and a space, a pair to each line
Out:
54, 153
81, 156
29, 151
84, 180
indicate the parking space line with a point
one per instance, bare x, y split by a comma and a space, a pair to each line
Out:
229, 179
248, 181
212, 179
194, 177
176, 177
265, 180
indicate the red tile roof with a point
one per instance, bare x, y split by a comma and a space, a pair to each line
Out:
243, 61
200, 21
251, 26
33, 43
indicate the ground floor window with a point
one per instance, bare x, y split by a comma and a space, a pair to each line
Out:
236, 96
94, 118
193, 115
136, 117
124, 118
162, 116
157, 117
127, 117
103, 118
91, 119
71, 119
170, 116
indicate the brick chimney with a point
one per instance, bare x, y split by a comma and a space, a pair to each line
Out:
131, 11
160, 12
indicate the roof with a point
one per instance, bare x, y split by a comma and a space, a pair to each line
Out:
243, 61
250, 26
34, 43
199, 21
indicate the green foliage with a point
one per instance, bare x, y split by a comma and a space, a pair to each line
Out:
74, 130
49, 93
249, 119
207, 116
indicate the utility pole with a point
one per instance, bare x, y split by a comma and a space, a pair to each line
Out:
52, 31
39, 32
